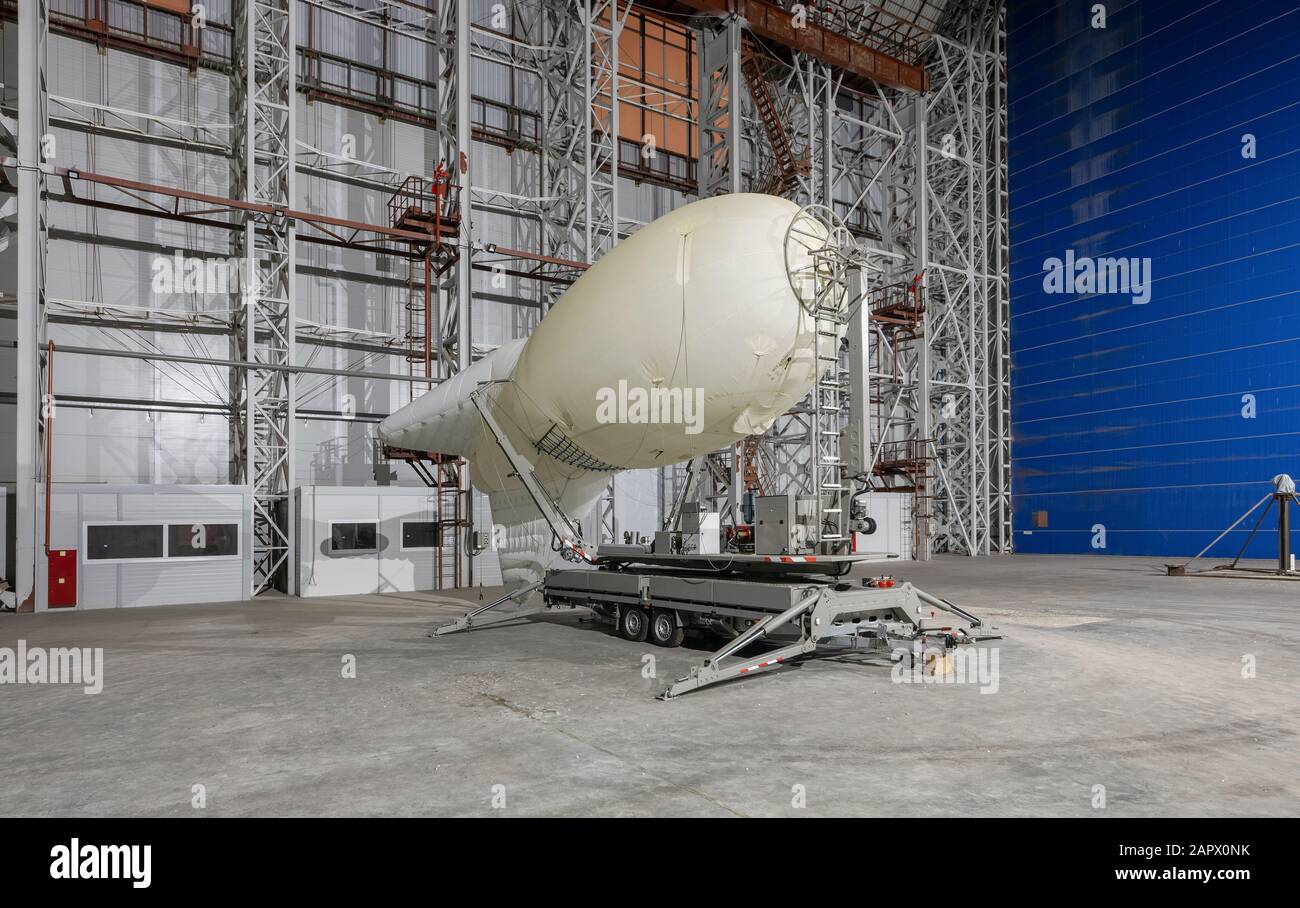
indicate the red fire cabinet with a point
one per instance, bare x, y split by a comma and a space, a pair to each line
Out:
63, 578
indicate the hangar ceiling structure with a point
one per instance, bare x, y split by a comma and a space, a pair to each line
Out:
405, 184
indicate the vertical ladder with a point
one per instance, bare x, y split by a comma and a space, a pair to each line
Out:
427, 206
418, 315
827, 398
440, 472
449, 497
818, 248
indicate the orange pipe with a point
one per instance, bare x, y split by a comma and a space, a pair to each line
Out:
49, 436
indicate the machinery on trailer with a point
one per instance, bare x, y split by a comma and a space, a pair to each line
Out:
778, 578
801, 615
797, 604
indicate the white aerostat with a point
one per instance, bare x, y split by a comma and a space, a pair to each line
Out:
683, 339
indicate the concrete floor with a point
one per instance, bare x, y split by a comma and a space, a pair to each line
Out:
1109, 675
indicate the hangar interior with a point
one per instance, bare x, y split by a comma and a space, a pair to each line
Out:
239, 235
168, 125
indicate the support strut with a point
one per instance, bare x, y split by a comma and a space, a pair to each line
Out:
566, 531
466, 621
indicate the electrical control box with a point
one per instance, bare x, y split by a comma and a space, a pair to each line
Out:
691, 512
774, 525
667, 543
705, 534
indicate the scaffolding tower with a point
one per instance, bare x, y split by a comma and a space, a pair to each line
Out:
265, 175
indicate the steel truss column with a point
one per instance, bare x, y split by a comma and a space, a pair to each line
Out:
32, 413
562, 64
944, 383
463, 269
579, 140
719, 111
816, 85
264, 96
602, 22
826, 401
462, 152
921, 366
453, 43
977, 53
999, 293
603, 25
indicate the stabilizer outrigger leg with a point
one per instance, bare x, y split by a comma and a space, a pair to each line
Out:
865, 619
566, 530
712, 671
466, 621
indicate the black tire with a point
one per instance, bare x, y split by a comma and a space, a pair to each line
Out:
633, 623
665, 630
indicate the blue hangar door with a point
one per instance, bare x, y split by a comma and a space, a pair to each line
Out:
1154, 156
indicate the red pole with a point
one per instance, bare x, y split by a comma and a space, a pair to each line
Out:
428, 316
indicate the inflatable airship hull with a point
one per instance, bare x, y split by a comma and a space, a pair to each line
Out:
683, 339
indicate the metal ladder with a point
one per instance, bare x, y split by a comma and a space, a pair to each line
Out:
818, 253
829, 317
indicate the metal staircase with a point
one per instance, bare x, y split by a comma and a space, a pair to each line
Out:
789, 167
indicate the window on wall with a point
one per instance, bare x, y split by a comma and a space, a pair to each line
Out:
421, 534
202, 540
657, 100
123, 541
359, 536
659, 55
149, 541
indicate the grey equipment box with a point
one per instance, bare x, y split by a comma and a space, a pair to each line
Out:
691, 512
774, 524
664, 542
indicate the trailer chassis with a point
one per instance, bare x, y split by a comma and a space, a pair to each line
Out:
803, 617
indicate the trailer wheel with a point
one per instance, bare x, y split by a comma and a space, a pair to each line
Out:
633, 623
665, 629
